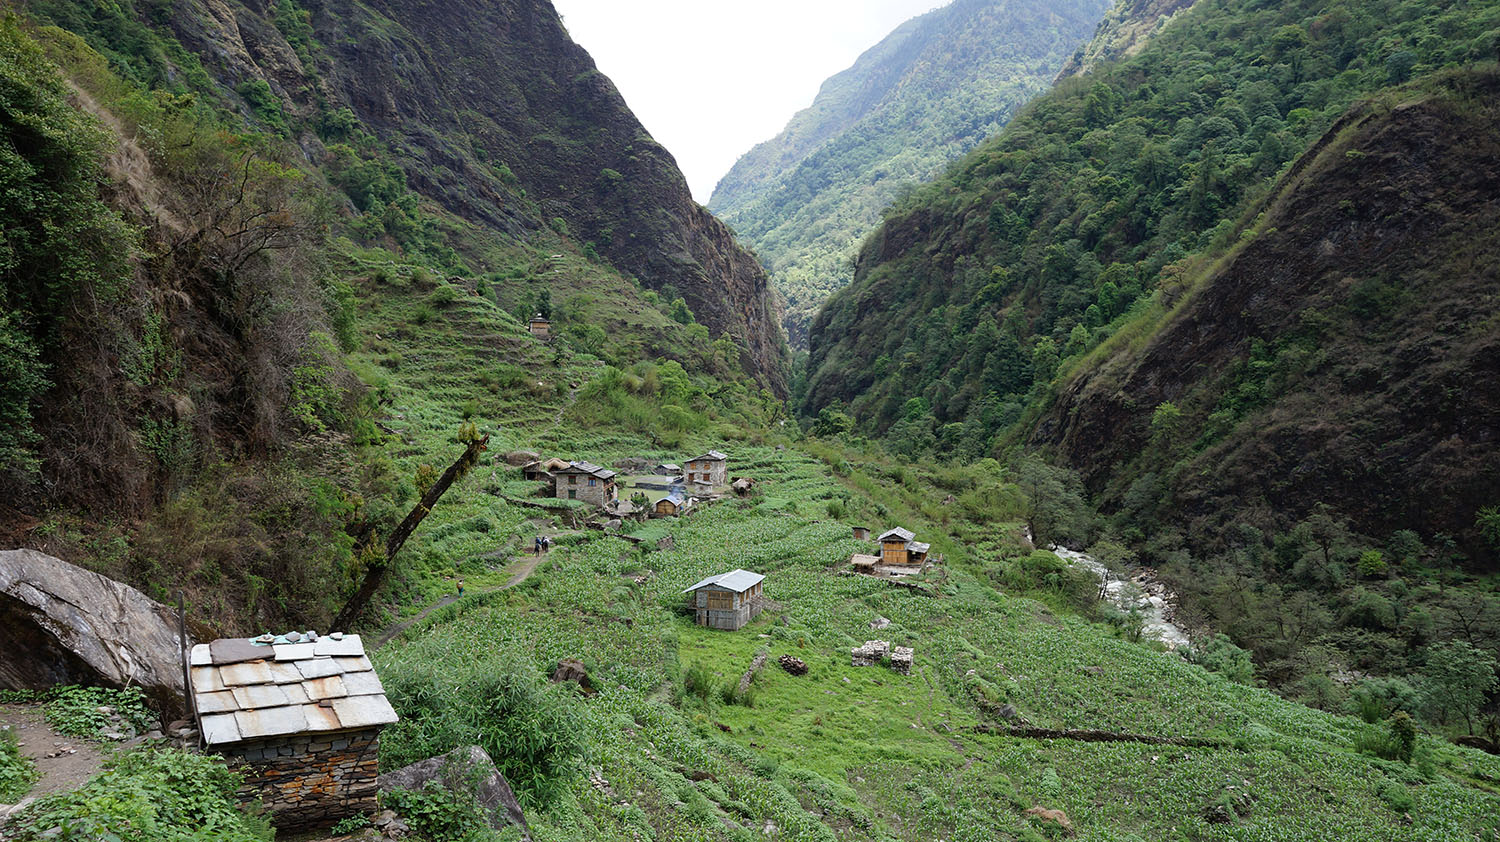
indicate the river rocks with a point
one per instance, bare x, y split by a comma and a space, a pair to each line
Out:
465, 770
61, 624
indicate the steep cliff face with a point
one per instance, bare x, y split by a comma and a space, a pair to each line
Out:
1349, 354
479, 99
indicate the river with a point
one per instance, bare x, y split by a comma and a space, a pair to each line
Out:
1126, 595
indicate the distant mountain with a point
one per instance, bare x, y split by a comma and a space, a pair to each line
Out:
930, 92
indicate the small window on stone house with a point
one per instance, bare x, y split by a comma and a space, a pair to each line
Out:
572, 494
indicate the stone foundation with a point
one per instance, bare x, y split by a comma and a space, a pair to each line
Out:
309, 781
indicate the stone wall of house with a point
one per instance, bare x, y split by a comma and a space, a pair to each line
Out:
309, 781
598, 494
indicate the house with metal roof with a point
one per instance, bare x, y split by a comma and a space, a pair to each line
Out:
727, 601
303, 712
540, 327
711, 469
899, 547
675, 503
587, 482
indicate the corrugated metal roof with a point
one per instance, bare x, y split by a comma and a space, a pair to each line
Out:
738, 581
898, 532
711, 456
281, 693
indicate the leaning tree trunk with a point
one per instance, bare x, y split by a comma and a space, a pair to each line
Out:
375, 575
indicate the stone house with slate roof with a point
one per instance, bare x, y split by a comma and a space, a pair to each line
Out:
586, 482
304, 715
711, 469
727, 601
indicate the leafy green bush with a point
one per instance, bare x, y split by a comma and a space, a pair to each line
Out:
162, 795
534, 731
17, 772
439, 814
81, 711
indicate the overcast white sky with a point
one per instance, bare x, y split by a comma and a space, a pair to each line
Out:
712, 78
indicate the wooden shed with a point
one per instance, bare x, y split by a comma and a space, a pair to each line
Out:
727, 601
540, 327
675, 503
899, 546
304, 713
861, 533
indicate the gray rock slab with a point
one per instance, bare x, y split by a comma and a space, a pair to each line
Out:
455, 771
61, 624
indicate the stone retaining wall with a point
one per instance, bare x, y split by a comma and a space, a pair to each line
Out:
309, 781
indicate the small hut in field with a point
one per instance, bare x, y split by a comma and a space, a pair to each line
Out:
675, 503
899, 547
727, 601
540, 327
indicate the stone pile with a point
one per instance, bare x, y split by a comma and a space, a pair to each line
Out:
901, 658
795, 666
875, 651
870, 654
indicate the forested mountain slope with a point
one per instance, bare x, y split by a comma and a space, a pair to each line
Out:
193, 216
1348, 353
478, 104
1037, 246
933, 89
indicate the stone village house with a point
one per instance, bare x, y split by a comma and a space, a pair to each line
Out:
727, 601
304, 717
586, 482
711, 469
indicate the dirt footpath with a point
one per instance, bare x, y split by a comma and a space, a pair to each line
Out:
65, 762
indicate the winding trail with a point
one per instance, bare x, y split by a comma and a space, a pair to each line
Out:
520, 573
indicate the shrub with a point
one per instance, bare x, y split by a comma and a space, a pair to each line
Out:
17, 772
164, 795
439, 814
77, 710
443, 296
533, 731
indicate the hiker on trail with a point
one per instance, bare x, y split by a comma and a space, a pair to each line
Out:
546, 544
536, 548
460, 588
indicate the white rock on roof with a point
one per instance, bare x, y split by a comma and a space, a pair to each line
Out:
327, 685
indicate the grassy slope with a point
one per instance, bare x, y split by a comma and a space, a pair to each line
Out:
844, 752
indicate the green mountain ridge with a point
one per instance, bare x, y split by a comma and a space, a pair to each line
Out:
926, 94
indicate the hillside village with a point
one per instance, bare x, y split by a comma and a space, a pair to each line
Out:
392, 449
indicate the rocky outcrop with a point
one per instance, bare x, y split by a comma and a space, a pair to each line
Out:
61, 624
468, 769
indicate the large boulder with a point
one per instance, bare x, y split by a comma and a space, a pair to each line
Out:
465, 769
61, 624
